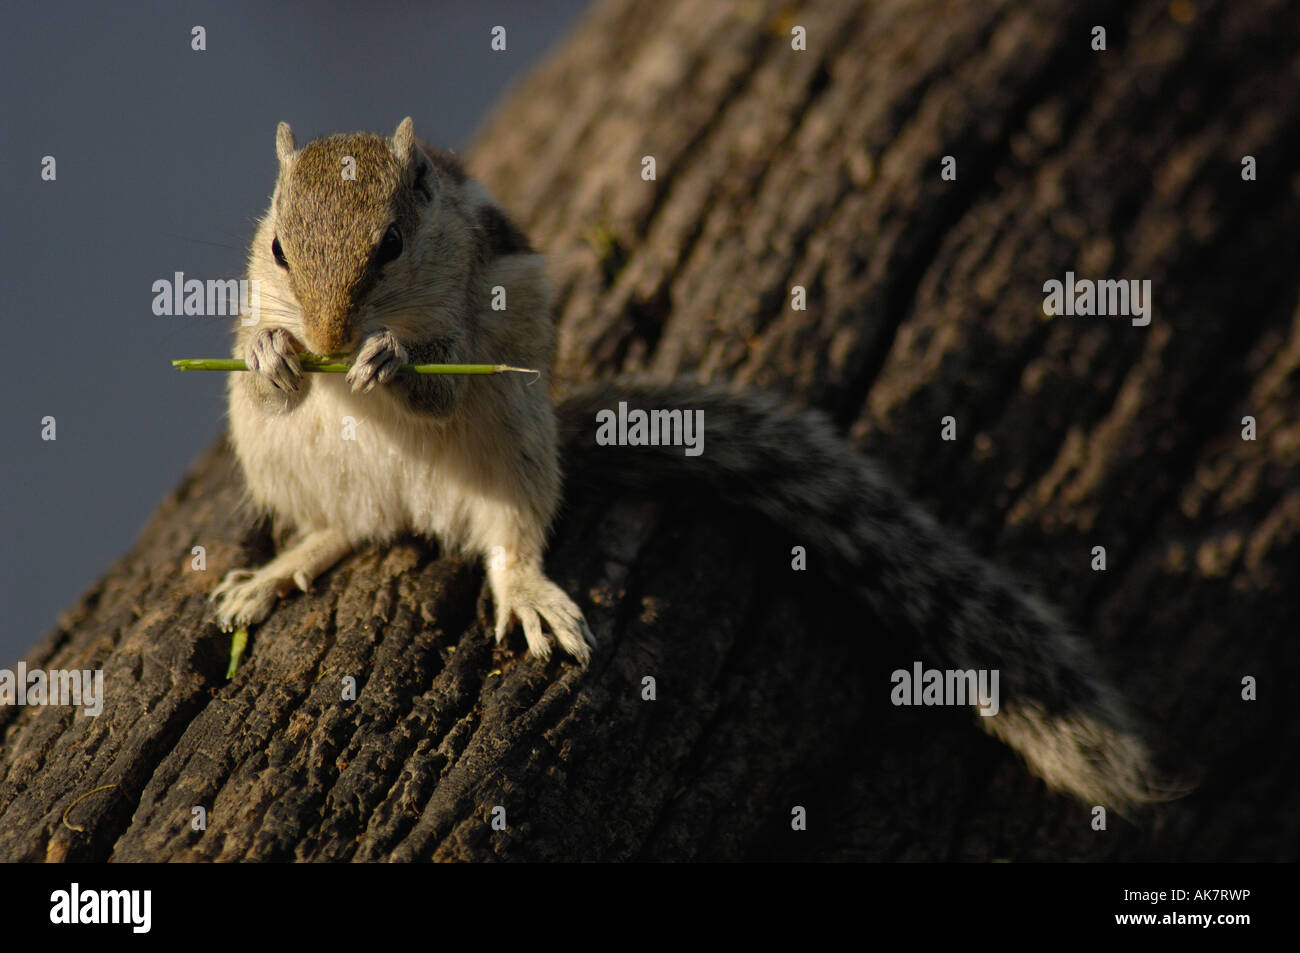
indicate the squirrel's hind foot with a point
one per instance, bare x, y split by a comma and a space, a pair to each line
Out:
247, 596
525, 593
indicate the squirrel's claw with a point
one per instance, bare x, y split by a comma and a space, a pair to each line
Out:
271, 354
380, 358
532, 598
244, 598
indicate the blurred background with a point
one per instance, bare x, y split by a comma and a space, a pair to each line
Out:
165, 158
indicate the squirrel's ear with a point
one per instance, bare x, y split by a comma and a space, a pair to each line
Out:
284, 142
404, 140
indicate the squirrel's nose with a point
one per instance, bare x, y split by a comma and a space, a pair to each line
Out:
331, 332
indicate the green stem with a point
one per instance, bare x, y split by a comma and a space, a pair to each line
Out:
238, 642
327, 365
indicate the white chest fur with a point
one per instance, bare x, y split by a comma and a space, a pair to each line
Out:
359, 463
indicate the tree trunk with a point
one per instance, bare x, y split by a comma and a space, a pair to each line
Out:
776, 168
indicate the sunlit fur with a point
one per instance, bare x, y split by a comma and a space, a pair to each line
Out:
479, 470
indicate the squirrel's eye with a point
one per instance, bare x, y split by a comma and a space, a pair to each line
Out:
278, 253
390, 246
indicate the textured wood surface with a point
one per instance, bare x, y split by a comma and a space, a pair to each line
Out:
775, 168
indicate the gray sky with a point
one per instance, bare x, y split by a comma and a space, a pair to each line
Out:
165, 157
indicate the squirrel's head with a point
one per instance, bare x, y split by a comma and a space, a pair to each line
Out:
345, 212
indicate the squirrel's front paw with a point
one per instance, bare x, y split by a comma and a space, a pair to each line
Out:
527, 594
378, 361
272, 355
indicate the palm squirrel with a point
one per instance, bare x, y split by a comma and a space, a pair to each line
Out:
397, 264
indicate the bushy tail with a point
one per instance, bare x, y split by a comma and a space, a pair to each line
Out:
1056, 709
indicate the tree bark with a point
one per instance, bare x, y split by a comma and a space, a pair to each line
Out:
776, 168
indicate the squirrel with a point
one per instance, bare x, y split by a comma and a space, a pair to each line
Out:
397, 265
